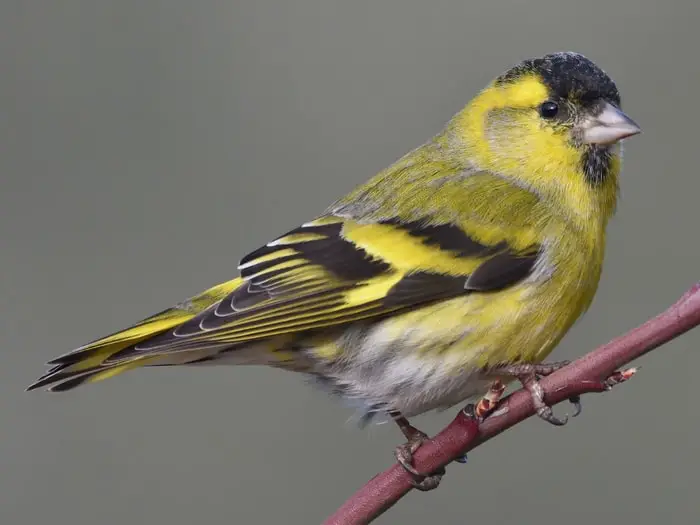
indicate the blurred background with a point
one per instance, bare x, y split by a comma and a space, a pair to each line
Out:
148, 145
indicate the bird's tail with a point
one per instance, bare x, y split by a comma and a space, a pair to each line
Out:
90, 363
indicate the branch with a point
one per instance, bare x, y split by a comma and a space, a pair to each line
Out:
587, 374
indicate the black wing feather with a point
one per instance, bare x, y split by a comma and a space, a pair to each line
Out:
269, 296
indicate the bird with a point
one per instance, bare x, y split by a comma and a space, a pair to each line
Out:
461, 265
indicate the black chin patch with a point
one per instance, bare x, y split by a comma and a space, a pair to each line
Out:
597, 163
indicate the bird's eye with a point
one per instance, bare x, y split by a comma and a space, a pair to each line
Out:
549, 109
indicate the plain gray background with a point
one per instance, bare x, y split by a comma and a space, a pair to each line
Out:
147, 145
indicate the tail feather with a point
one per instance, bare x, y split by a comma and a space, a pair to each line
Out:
63, 380
89, 363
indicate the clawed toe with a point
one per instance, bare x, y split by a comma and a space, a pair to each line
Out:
576, 401
545, 412
404, 455
527, 374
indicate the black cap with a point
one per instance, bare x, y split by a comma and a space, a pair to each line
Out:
569, 76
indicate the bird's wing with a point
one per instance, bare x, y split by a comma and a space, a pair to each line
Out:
335, 270
338, 268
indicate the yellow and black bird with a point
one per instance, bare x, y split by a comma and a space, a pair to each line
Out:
466, 259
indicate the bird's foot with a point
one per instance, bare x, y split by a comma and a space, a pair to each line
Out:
537, 369
544, 411
404, 455
528, 374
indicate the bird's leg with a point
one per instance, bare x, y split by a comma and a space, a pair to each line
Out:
404, 454
415, 438
528, 374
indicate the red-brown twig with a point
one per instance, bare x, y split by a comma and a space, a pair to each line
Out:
584, 375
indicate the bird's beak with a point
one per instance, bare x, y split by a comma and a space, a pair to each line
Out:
609, 126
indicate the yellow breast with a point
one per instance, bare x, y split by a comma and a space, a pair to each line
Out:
526, 322
521, 323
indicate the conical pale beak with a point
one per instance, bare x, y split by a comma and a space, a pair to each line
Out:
609, 126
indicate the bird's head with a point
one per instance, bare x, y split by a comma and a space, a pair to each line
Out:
553, 124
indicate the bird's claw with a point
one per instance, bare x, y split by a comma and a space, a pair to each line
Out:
545, 412
530, 369
404, 455
578, 408
527, 374
462, 459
